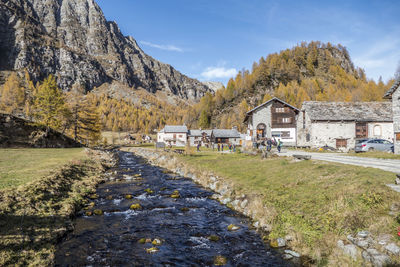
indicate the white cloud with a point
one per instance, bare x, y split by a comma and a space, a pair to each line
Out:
162, 47
218, 73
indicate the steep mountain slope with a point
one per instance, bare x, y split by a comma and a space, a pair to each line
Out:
73, 40
308, 71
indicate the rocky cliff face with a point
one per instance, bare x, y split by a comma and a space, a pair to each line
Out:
73, 40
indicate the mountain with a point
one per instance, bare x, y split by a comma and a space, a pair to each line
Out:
73, 40
215, 86
309, 71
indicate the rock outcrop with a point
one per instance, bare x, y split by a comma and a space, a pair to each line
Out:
73, 40
17, 132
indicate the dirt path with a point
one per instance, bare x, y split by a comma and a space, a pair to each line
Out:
390, 165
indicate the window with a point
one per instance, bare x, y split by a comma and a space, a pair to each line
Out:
377, 130
276, 134
397, 136
308, 137
174, 136
304, 119
285, 135
286, 120
280, 110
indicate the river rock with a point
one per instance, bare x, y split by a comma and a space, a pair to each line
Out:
393, 249
128, 196
156, 242
233, 227
135, 206
220, 260
278, 243
98, 212
152, 250
213, 238
375, 257
349, 249
363, 234
292, 253
244, 203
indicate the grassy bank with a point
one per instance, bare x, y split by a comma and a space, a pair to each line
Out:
19, 166
36, 214
317, 203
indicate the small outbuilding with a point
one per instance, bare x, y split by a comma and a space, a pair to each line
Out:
225, 136
394, 95
340, 124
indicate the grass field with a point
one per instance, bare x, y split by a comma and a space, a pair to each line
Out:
316, 202
19, 166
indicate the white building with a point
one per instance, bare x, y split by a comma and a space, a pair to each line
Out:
339, 124
200, 136
272, 119
394, 94
175, 135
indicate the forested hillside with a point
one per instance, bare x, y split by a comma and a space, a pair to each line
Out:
309, 71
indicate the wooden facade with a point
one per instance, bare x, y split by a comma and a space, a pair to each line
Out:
282, 115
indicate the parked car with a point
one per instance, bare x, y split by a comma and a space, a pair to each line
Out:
364, 145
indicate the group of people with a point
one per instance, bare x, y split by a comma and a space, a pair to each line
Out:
268, 143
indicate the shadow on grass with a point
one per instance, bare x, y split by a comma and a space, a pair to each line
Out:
28, 235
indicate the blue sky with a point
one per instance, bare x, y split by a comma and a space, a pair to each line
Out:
211, 40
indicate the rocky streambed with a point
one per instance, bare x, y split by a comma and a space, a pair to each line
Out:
148, 216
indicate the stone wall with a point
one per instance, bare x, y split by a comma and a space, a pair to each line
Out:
396, 118
262, 115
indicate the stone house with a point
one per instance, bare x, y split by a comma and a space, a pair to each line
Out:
272, 119
225, 136
339, 124
394, 95
200, 136
175, 135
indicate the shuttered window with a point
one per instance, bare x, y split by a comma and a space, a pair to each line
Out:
341, 143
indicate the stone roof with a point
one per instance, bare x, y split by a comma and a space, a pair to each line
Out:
225, 133
174, 129
349, 111
392, 89
199, 132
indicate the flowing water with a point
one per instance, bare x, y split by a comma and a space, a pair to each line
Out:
183, 225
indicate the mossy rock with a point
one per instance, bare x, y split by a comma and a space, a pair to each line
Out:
109, 197
91, 204
213, 238
89, 213
233, 227
175, 194
142, 241
128, 196
163, 188
152, 250
220, 260
149, 191
185, 209
157, 242
98, 212
94, 196
167, 171
135, 206
138, 175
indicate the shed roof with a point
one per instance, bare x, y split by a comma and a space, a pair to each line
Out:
349, 111
174, 129
199, 132
226, 133
392, 89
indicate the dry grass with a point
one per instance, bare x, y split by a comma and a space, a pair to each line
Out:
317, 203
19, 166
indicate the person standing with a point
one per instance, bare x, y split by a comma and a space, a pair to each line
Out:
269, 144
198, 147
279, 145
219, 147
